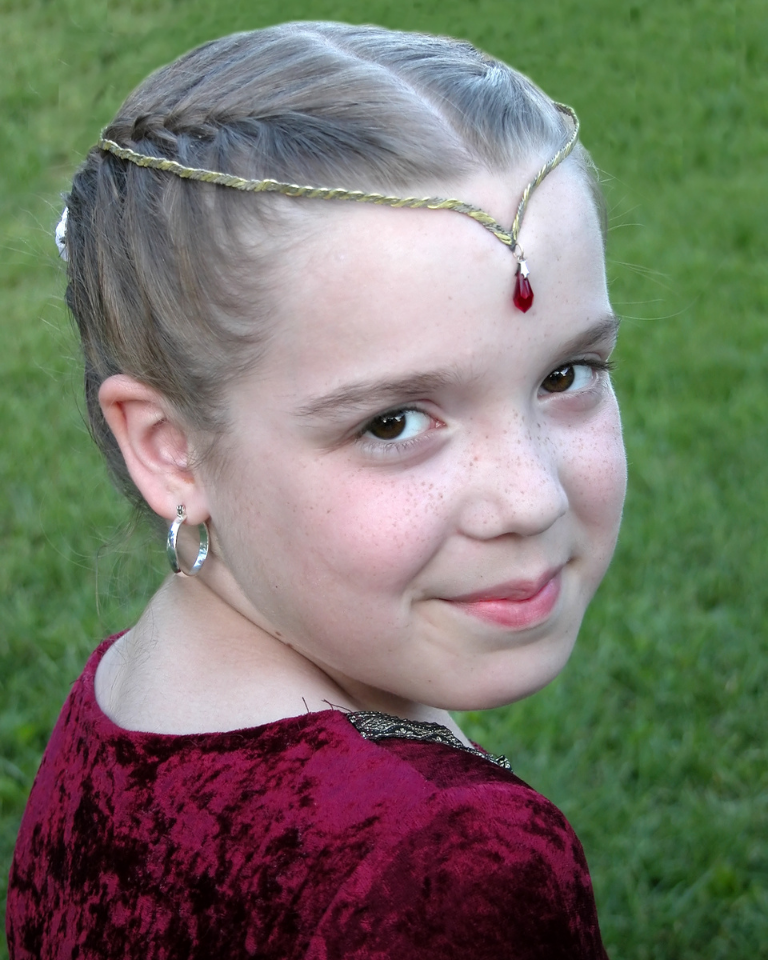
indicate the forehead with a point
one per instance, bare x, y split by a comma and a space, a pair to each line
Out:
373, 288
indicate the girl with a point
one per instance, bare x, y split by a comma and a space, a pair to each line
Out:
378, 425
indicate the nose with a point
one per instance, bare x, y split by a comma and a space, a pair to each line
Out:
512, 485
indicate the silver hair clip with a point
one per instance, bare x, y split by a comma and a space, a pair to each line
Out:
61, 235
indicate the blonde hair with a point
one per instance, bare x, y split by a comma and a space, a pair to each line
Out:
162, 284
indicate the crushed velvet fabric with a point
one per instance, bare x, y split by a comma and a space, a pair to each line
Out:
296, 839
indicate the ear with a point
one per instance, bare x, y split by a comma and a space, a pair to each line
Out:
155, 447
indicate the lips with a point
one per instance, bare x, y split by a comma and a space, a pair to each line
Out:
511, 590
515, 605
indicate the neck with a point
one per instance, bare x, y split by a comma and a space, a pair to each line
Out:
194, 664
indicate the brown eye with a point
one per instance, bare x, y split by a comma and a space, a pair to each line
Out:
389, 426
398, 426
560, 380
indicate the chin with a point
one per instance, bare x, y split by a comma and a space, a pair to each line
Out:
520, 676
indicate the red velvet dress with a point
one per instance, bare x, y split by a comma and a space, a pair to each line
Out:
304, 838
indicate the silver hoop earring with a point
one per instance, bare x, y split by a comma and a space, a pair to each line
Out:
170, 546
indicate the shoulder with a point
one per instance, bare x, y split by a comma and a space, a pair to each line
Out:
468, 783
480, 866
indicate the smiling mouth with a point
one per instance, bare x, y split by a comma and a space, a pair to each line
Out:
515, 605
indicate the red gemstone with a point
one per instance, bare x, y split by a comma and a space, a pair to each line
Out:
523, 295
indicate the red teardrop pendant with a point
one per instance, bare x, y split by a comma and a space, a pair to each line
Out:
523, 295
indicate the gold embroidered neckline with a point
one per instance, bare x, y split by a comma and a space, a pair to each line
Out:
372, 725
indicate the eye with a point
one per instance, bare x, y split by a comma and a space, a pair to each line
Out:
573, 376
398, 425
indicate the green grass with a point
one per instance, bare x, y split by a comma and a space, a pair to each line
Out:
653, 740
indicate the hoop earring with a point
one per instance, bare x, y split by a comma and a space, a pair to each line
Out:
170, 546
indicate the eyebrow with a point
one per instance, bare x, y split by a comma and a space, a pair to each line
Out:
605, 329
382, 393
379, 393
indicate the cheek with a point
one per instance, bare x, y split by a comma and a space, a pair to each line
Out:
339, 529
366, 527
596, 472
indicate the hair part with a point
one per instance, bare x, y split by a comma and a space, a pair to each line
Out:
174, 283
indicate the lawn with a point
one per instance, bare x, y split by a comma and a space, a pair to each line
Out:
653, 740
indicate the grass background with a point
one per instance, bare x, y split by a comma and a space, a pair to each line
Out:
653, 741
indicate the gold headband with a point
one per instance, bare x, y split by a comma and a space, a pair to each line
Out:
523, 295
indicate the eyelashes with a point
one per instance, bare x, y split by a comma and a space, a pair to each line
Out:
563, 378
402, 429
398, 425
396, 431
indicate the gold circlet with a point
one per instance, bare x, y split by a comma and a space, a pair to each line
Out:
523, 296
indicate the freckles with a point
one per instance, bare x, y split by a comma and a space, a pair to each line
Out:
382, 527
596, 474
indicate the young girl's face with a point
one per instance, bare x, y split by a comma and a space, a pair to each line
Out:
422, 486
